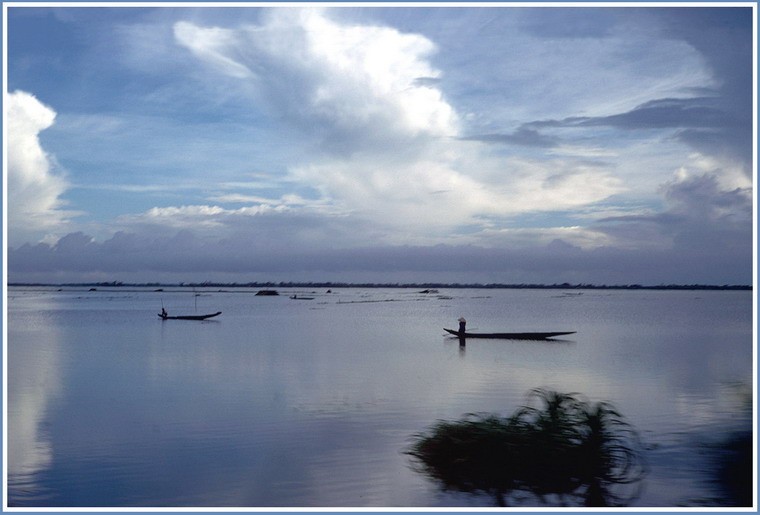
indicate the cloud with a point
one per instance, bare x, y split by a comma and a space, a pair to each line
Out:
700, 115
521, 136
317, 138
698, 102
35, 181
359, 84
428, 200
210, 44
707, 214
656, 114
714, 117
186, 257
702, 236
569, 23
388, 145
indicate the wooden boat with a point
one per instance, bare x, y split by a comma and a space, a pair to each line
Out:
509, 336
296, 297
188, 317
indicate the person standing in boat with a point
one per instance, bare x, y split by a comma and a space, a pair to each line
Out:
164, 314
462, 324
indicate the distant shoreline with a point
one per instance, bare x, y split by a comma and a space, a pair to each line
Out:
423, 286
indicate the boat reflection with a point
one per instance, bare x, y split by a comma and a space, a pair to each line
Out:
550, 341
567, 451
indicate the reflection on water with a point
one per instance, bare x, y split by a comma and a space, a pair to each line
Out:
33, 382
731, 470
729, 465
278, 404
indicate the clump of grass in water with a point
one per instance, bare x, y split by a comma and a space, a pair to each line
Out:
567, 448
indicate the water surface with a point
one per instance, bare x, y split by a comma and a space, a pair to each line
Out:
312, 403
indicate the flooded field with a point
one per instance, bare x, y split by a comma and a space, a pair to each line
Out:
315, 401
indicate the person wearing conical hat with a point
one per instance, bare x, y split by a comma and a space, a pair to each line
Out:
462, 324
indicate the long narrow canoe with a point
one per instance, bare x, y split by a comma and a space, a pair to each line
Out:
189, 317
510, 336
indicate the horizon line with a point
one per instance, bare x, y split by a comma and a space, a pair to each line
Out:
427, 285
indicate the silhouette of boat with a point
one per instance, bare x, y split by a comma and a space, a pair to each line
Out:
509, 336
188, 317
296, 297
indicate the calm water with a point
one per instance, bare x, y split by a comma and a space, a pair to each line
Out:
312, 403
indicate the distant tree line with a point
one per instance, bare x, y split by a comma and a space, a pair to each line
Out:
555, 286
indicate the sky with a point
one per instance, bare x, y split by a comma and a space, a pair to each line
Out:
314, 142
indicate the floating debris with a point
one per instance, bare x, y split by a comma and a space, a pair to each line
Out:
267, 293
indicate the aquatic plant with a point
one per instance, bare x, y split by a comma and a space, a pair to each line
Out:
566, 450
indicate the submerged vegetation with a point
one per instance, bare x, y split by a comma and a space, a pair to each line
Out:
567, 451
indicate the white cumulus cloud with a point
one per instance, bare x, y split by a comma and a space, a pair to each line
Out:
389, 143
34, 185
347, 79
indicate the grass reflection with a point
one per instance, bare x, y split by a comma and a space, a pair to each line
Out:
733, 470
564, 451
729, 467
